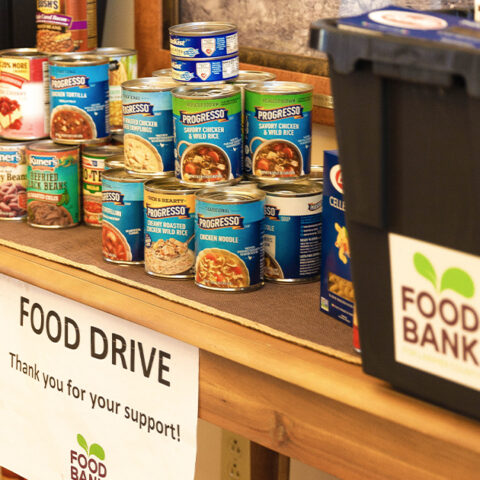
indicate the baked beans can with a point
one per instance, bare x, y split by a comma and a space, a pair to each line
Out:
53, 185
208, 134
13, 181
123, 67
93, 165
66, 25
293, 226
24, 94
169, 208
203, 40
79, 98
122, 212
229, 238
116, 161
148, 126
279, 129
209, 70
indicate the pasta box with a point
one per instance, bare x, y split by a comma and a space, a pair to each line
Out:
336, 288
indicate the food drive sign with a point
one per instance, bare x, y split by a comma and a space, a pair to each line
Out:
436, 309
89, 396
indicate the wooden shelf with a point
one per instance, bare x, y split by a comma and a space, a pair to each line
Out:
319, 410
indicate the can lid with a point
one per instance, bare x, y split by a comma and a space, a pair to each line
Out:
202, 29
84, 59
103, 150
163, 72
22, 52
205, 91
114, 51
169, 185
252, 76
279, 88
50, 146
150, 84
297, 188
14, 144
233, 194
120, 174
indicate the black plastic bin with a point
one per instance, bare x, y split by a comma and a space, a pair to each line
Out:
407, 115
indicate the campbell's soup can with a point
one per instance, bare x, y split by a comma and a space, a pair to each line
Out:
123, 67
24, 94
293, 229
13, 180
122, 217
79, 95
208, 134
169, 208
66, 25
53, 185
279, 129
229, 238
93, 165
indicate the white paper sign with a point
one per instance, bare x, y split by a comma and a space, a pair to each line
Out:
436, 309
85, 395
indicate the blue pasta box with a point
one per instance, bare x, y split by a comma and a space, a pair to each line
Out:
336, 287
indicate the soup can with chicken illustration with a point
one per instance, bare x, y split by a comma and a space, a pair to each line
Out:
169, 208
24, 98
53, 185
279, 129
293, 226
148, 126
229, 238
79, 98
208, 134
66, 25
123, 67
122, 217
93, 165
13, 181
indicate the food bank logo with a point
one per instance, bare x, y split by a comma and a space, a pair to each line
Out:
89, 465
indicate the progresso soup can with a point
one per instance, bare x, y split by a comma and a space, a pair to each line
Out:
148, 126
79, 98
53, 185
208, 134
13, 180
169, 208
209, 70
123, 67
24, 95
279, 129
293, 222
229, 238
203, 40
122, 213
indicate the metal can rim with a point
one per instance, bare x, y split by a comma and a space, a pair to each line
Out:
243, 77
120, 174
233, 195
199, 29
114, 51
279, 87
202, 60
100, 149
73, 59
169, 185
22, 52
51, 146
287, 189
226, 90
150, 84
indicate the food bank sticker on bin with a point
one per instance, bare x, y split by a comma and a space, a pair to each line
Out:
92, 396
436, 309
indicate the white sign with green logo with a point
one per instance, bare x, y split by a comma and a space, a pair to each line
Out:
436, 309
89, 396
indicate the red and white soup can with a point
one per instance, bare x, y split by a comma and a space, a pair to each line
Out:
24, 94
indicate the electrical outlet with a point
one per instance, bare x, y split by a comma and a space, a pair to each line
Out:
235, 457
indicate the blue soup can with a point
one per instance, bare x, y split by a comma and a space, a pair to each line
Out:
148, 125
229, 238
79, 98
208, 134
122, 217
209, 70
293, 226
203, 40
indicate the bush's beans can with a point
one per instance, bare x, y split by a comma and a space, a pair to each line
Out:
24, 94
203, 40
122, 212
123, 67
66, 25
293, 223
169, 208
229, 238
117, 161
208, 134
148, 126
53, 185
93, 165
13, 181
79, 98
279, 129
211, 70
